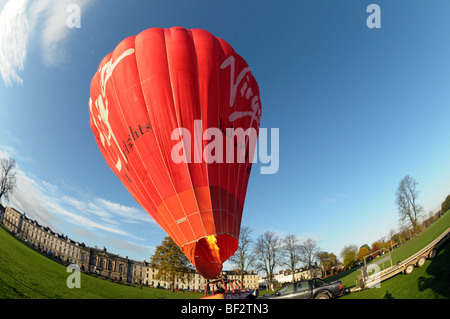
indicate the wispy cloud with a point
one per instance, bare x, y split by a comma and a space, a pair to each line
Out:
55, 29
52, 207
131, 247
14, 30
21, 20
14, 153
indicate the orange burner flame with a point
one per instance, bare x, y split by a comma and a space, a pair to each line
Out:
212, 244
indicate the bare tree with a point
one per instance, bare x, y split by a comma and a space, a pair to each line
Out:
7, 177
408, 208
308, 252
291, 251
268, 246
243, 257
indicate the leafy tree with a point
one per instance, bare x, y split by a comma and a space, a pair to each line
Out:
393, 238
327, 260
375, 247
365, 246
386, 245
396, 238
405, 233
7, 177
349, 254
171, 262
445, 205
363, 252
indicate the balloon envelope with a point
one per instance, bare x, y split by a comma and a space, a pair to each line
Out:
170, 110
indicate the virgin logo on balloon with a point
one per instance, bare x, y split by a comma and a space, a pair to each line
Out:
176, 115
255, 113
101, 121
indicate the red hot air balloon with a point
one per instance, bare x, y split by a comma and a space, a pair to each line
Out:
170, 94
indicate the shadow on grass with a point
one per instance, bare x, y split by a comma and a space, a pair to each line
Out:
388, 295
439, 271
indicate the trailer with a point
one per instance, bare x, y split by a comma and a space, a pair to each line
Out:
374, 273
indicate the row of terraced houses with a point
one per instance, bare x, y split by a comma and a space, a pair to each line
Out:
100, 262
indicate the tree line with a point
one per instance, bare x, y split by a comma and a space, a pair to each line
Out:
268, 252
265, 253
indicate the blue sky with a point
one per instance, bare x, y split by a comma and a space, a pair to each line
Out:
357, 110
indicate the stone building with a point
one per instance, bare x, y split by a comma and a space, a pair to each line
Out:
12, 219
42, 238
192, 282
250, 279
102, 263
93, 260
285, 276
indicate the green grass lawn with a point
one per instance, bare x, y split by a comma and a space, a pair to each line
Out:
26, 274
431, 281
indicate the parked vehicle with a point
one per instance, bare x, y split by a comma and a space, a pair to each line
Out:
308, 289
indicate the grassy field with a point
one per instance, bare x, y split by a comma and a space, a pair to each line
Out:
26, 274
431, 281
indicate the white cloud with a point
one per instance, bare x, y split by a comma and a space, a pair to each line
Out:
125, 214
14, 30
131, 247
27, 199
51, 207
55, 29
14, 153
22, 19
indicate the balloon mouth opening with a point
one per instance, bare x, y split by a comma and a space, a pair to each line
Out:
209, 253
208, 262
